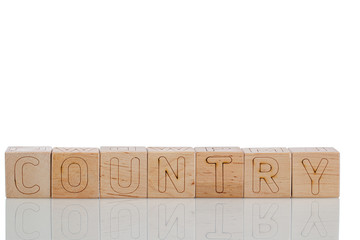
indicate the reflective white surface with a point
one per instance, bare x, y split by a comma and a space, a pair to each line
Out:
110, 219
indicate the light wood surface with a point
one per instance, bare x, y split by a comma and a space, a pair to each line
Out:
171, 172
75, 173
123, 172
267, 172
28, 172
219, 172
315, 172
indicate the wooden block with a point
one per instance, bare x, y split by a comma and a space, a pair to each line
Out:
267, 172
28, 172
123, 172
219, 172
171, 172
315, 172
75, 173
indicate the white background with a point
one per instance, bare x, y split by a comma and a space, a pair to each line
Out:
194, 73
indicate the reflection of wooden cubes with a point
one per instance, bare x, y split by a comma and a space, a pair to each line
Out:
123, 219
315, 172
171, 219
219, 218
171, 172
219, 172
267, 172
28, 172
123, 172
75, 173
315, 219
28, 219
267, 219
75, 219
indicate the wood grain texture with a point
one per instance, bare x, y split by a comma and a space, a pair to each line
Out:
315, 172
171, 172
219, 172
267, 172
28, 172
75, 173
123, 172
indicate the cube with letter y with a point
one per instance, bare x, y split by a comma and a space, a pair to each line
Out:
28, 172
75, 173
219, 172
267, 172
171, 172
315, 172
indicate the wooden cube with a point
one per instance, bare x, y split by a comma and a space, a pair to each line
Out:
267, 172
171, 172
315, 172
28, 172
219, 172
75, 173
123, 172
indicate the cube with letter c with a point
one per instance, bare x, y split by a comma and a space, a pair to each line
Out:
28, 172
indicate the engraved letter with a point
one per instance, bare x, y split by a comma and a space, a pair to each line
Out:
74, 174
177, 178
120, 168
19, 172
219, 171
265, 169
315, 174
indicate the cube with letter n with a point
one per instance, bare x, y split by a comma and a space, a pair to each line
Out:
171, 172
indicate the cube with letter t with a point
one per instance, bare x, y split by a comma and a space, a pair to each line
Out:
219, 172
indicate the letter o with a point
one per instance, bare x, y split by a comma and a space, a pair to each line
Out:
82, 174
